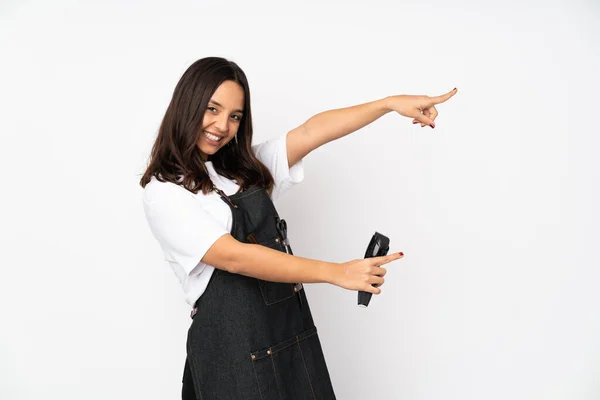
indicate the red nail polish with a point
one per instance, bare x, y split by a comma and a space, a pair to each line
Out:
401, 253
415, 122
432, 126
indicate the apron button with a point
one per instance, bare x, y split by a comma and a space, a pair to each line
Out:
277, 239
252, 356
269, 352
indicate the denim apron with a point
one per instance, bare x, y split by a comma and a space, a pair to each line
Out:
249, 338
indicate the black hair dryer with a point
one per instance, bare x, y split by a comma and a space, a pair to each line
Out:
378, 246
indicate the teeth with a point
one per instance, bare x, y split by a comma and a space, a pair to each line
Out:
212, 137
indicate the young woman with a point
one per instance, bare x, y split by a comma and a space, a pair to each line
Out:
208, 195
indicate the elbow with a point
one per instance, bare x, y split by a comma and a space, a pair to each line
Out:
234, 260
226, 254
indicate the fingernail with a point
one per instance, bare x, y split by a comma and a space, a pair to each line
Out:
454, 89
432, 126
401, 253
415, 122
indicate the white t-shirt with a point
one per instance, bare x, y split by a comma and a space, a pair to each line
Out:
186, 225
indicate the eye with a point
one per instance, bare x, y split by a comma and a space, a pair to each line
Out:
209, 108
236, 117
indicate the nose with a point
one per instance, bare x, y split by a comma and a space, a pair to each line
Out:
222, 123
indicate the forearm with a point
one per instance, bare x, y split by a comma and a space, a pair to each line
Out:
275, 266
334, 124
264, 263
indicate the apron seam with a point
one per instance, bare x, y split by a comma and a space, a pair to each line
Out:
275, 373
259, 355
257, 381
306, 369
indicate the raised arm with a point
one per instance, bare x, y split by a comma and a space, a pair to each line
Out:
334, 124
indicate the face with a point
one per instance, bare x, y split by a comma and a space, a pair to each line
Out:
221, 118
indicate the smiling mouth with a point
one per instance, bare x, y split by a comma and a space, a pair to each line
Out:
212, 137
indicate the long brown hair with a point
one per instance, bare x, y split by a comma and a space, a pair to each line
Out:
175, 156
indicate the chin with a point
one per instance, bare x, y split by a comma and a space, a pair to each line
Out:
207, 149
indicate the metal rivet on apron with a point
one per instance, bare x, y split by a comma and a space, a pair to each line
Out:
252, 356
277, 239
269, 351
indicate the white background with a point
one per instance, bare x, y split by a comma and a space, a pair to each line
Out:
496, 209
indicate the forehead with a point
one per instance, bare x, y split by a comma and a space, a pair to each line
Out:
230, 95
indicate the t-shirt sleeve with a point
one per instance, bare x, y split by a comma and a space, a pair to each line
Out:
184, 229
273, 153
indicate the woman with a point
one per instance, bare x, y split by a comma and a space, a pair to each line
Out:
208, 200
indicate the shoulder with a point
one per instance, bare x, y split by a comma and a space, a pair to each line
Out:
269, 148
170, 207
157, 192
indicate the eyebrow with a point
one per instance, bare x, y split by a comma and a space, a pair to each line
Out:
218, 104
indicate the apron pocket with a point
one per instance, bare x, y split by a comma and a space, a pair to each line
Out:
275, 292
288, 369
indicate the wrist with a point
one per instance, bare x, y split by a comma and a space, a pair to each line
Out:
335, 273
385, 104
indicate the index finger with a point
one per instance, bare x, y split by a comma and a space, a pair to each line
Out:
382, 260
444, 97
